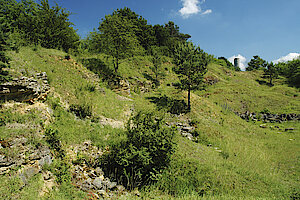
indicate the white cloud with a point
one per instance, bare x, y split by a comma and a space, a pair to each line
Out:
242, 61
192, 7
207, 12
290, 56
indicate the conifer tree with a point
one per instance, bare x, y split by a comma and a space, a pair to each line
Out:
256, 63
271, 72
3, 58
156, 68
191, 64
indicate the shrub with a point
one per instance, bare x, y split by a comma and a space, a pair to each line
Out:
81, 111
61, 169
140, 159
54, 142
265, 111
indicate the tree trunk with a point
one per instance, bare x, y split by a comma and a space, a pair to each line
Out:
114, 63
189, 98
117, 65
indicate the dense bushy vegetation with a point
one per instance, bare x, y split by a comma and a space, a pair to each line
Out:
124, 33
256, 63
27, 22
146, 151
224, 62
291, 70
3, 59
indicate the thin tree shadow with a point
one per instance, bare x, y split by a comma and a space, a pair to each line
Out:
169, 104
150, 78
99, 67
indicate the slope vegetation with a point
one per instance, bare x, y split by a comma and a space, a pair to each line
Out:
228, 158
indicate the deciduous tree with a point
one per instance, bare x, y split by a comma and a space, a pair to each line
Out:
118, 38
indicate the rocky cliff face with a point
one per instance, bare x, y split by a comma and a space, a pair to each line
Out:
25, 89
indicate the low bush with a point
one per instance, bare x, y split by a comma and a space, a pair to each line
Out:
54, 142
140, 159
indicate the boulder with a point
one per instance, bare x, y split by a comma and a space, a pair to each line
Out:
98, 182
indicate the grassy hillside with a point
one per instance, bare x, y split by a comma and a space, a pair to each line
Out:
229, 159
244, 91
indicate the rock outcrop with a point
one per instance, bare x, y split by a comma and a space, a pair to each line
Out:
25, 89
269, 117
88, 176
19, 154
184, 129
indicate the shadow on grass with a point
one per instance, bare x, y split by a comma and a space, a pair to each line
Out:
169, 104
150, 78
263, 82
99, 67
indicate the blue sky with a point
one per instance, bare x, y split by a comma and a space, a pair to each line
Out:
268, 28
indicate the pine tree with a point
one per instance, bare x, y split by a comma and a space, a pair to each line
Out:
191, 64
156, 68
256, 63
271, 72
3, 58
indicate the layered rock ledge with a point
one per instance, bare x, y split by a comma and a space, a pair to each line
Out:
25, 89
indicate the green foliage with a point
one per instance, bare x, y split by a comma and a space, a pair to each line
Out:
118, 38
4, 60
38, 24
224, 62
156, 69
291, 70
191, 65
125, 33
168, 36
98, 66
141, 29
52, 139
190, 177
271, 72
9, 186
256, 63
250, 162
61, 169
170, 104
144, 154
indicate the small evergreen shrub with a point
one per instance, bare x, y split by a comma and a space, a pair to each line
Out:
140, 158
53, 140
61, 169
